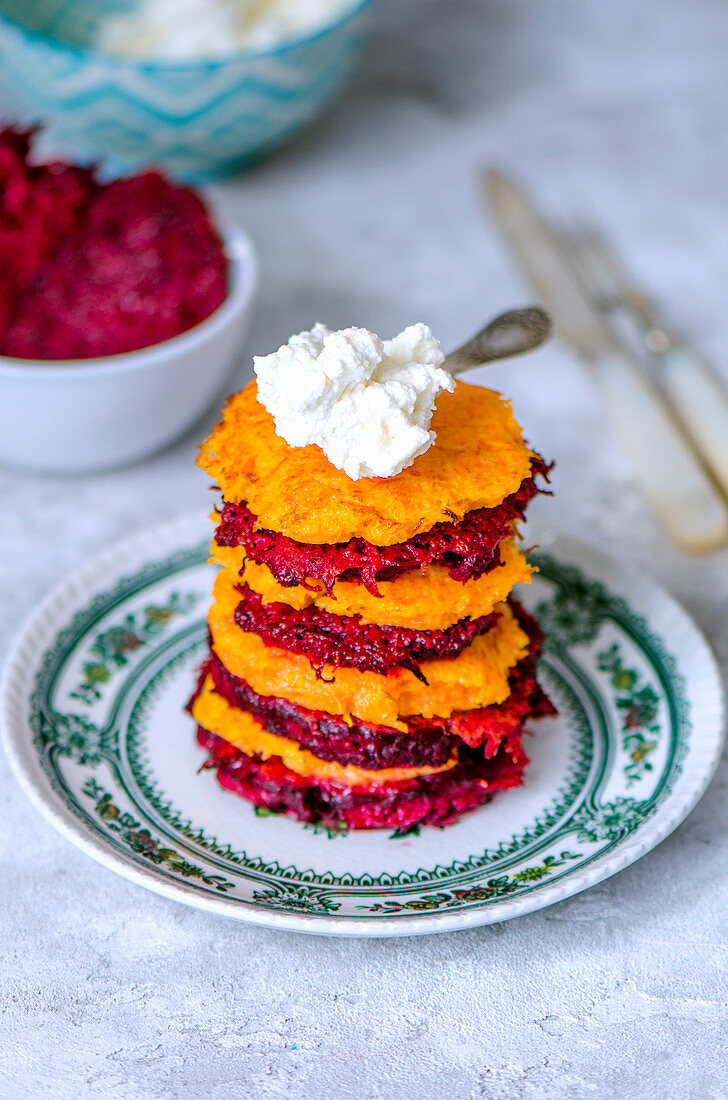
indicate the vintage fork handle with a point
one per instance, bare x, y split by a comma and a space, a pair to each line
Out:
700, 402
509, 334
689, 507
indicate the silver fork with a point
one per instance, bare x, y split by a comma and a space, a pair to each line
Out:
696, 394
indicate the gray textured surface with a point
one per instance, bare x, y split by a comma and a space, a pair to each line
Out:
374, 218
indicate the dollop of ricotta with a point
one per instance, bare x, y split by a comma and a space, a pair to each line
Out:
367, 403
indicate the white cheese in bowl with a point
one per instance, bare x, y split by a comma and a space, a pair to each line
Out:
187, 30
367, 403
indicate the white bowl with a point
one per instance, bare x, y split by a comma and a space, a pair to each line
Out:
86, 415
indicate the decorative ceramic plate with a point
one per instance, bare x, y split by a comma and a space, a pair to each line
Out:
92, 713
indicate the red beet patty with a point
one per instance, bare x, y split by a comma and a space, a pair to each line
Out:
326, 638
427, 742
430, 800
469, 547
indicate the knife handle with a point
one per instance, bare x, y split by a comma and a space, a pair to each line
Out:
688, 506
701, 405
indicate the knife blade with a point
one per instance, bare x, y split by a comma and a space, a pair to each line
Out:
547, 269
691, 511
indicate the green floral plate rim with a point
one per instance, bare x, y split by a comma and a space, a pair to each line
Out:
91, 712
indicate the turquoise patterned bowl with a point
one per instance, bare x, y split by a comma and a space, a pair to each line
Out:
201, 119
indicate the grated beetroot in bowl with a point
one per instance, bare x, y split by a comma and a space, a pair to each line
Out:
429, 800
39, 205
326, 638
468, 546
93, 269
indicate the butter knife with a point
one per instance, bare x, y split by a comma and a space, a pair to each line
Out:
690, 509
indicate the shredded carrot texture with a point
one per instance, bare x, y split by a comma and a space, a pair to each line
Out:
431, 600
478, 459
477, 677
243, 731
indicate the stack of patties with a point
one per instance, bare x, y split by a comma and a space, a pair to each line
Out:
368, 665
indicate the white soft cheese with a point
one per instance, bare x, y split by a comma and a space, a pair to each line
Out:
367, 403
186, 30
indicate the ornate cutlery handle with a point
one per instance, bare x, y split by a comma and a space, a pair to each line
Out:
688, 505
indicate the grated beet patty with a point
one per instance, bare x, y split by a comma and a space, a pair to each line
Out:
429, 800
326, 638
469, 546
428, 742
